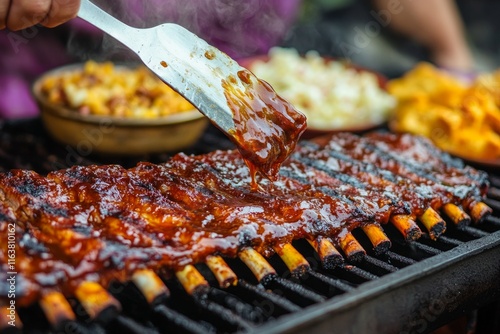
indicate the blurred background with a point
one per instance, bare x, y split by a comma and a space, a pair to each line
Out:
349, 29
352, 29
340, 28
337, 27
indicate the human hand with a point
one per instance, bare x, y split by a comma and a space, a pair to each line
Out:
20, 14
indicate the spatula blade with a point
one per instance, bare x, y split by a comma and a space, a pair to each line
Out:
193, 68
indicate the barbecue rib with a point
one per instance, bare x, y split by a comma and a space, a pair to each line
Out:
104, 223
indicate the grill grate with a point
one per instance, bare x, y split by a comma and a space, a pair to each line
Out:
249, 305
419, 280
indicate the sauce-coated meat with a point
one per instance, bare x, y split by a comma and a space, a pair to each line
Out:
102, 223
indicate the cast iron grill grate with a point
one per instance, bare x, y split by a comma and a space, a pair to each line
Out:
250, 304
316, 298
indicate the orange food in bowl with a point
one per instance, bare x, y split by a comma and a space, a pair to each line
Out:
461, 119
109, 90
111, 109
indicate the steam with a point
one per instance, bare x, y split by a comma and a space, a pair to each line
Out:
239, 28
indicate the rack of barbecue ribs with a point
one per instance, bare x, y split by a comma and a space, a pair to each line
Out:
78, 229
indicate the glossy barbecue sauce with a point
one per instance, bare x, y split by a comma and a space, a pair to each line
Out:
267, 127
102, 223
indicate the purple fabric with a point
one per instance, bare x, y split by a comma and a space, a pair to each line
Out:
16, 100
25, 56
239, 28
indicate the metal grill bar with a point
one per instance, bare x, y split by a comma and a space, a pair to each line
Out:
399, 260
295, 292
238, 307
379, 266
334, 286
477, 233
129, 326
167, 318
425, 249
493, 220
495, 205
226, 319
264, 298
494, 194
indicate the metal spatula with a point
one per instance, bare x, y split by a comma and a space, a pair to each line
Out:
181, 59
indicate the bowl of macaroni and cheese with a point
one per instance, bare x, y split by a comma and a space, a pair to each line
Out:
115, 109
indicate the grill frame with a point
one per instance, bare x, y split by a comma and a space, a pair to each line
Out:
381, 305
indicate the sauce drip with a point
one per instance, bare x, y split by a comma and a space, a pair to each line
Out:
163, 63
267, 127
209, 55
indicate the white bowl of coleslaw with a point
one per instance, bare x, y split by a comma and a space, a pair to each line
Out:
334, 94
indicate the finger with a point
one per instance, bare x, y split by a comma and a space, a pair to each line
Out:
4, 10
27, 13
60, 12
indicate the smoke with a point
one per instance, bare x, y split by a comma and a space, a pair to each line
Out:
88, 42
244, 28
239, 28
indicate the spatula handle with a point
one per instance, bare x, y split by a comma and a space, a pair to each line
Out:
107, 23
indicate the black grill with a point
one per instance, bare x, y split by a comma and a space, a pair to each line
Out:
412, 288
